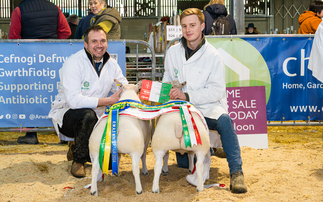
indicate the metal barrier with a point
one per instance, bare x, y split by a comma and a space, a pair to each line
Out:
151, 69
156, 73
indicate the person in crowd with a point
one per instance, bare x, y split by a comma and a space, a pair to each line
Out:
37, 19
251, 29
213, 10
201, 66
309, 20
86, 78
107, 17
84, 23
72, 22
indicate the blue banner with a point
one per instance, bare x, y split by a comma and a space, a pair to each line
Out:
29, 78
295, 93
281, 65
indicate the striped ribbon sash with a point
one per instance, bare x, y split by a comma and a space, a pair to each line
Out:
109, 142
126, 107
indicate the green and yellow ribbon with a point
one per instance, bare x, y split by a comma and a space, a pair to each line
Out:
109, 137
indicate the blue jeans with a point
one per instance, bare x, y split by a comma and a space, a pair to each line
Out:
229, 139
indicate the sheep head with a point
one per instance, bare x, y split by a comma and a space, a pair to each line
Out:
176, 84
136, 87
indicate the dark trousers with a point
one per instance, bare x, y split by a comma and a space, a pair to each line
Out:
78, 124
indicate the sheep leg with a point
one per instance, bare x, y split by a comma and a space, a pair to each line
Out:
191, 162
157, 170
165, 164
144, 169
136, 171
95, 172
119, 158
199, 170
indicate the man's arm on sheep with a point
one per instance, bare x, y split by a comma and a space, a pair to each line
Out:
71, 76
115, 89
175, 93
110, 100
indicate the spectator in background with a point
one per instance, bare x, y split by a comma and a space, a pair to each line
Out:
72, 22
310, 20
83, 25
37, 19
107, 17
214, 9
251, 29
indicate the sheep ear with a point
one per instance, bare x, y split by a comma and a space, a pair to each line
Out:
118, 83
138, 86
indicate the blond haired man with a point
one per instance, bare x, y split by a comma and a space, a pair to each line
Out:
198, 63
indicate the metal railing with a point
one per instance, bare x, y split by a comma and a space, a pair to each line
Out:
156, 73
152, 70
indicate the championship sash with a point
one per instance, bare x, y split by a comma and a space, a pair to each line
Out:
145, 112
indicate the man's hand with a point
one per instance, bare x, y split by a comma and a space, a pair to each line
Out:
110, 100
176, 94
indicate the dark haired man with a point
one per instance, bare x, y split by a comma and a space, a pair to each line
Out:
86, 78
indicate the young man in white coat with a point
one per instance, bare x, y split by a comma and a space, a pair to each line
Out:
198, 63
86, 78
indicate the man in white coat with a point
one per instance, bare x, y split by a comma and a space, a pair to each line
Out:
316, 58
86, 79
198, 63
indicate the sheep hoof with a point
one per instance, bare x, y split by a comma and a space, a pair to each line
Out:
145, 173
189, 171
155, 192
164, 173
139, 192
93, 193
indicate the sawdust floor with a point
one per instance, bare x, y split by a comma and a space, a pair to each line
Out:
291, 169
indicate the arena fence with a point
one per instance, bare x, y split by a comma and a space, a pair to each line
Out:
29, 77
279, 62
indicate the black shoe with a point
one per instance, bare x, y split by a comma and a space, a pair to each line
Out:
27, 140
63, 142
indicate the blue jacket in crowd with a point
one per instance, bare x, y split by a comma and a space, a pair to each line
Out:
83, 25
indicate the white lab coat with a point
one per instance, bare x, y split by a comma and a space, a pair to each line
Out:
204, 73
316, 58
81, 87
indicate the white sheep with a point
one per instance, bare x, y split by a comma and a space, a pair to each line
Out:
168, 135
133, 138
